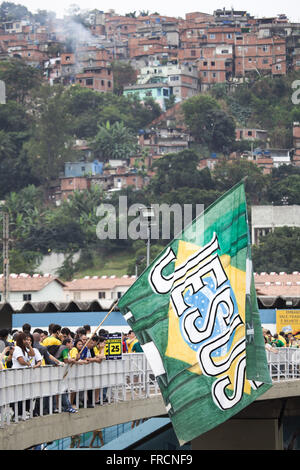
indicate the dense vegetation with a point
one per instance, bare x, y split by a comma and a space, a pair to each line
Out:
39, 124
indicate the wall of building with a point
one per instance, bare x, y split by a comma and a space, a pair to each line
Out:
269, 217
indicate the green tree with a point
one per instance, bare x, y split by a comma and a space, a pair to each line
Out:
10, 11
51, 143
227, 174
174, 171
20, 79
114, 141
131, 14
208, 123
15, 125
124, 74
278, 251
286, 190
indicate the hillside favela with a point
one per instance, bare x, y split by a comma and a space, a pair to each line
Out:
150, 232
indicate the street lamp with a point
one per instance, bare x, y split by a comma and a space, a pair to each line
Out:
148, 216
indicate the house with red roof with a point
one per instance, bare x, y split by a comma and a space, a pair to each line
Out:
37, 288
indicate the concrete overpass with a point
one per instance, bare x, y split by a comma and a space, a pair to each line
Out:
134, 395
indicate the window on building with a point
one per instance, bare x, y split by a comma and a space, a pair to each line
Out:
214, 74
101, 295
102, 82
109, 84
213, 64
26, 297
89, 81
229, 36
265, 61
265, 48
119, 294
165, 92
77, 295
193, 52
205, 63
212, 36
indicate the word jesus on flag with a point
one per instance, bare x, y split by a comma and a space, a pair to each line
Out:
194, 311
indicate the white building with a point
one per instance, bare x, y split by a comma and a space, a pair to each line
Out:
265, 218
105, 289
37, 288
182, 78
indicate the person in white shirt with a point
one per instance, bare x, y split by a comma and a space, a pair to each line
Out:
36, 361
24, 355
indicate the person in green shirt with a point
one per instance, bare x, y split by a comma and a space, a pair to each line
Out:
137, 348
67, 345
65, 352
277, 341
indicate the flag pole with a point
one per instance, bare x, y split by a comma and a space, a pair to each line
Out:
88, 340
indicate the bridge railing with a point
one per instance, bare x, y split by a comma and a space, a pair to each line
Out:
284, 363
26, 393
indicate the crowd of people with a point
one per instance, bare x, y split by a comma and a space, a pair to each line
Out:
58, 346
280, 340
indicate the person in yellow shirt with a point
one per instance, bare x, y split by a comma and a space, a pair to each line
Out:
54, 338
281, 336
131, 340
100, 348
75, 352
6, 356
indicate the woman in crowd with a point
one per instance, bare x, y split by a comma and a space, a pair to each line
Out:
23, 355
36, 361
101, 347
76, 350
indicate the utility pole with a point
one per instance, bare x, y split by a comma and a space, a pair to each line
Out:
5, 242
5, 239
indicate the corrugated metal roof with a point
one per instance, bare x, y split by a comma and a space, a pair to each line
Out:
40, 307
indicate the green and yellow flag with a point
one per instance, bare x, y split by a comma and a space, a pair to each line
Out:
194, 311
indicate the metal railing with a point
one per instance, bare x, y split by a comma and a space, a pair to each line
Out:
284, 364
26, 393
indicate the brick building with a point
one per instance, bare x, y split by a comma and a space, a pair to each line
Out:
259, 55
96, 78
73, 183
251, 134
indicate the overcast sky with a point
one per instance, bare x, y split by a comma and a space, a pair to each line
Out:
170, 7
